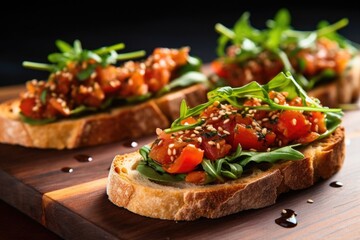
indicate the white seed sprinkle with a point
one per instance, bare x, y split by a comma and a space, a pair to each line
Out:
274, 116
193, 135
211, 143
310, 201
254, 123
196, 131
211, 115
220, 129
253, 149
218, 145
214, 118
180, 140
265, 119
226, 121
316, 120
268, 149
284, 211
172, 158
226, 132
171, 145
294, 121
198, 128
180, 132
316, 128
174, 152
191, 145
264, 131
199, 139
276, 100
169, 151
258, 129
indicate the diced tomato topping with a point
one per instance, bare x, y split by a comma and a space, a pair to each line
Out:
188, 121
189, 158
215, 149
197, 177
249, 138
27, 105
293, 125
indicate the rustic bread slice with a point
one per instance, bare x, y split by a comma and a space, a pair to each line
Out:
114, 125
129, 189
344, 90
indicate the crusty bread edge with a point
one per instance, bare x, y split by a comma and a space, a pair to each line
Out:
117, 124
129, 189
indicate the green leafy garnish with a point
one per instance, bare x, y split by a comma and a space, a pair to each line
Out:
276, 39
75, 53
232, 166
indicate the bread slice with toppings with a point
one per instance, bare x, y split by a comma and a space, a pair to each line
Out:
116, 124
258, 188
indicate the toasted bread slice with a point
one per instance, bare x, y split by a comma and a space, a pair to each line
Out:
184, 201
114, 125
344, 90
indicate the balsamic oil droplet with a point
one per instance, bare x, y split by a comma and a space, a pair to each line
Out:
287, 219
83, 158
336, 184
131, 144
67, 169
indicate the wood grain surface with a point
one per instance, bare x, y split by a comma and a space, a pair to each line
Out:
75, 206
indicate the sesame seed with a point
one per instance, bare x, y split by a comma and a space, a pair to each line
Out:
198, 128
265, 119
211, 142
171, 145
180, 140
254, 123
180, 132
228, 113
226, 121
307, 122
310, 201
193, 135
222, 113
258, 129
220, 129
284, 211
253, 149
226, 132
294, 121
218, 145
172, 158
196, 131
160, 142
211, 115
187, 131
264, 131
199, 139
215, 118
276, 100
268, 149
169, 151
316, 120
191, 145
174, 151
316, 128
274, 116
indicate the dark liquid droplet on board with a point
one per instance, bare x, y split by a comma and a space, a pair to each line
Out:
83, 158
336, 184
287, 219
131, 144
67, 169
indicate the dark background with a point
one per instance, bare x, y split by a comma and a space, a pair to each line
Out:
29, 31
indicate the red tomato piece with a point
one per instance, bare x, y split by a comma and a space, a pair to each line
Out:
292, 125
189, 158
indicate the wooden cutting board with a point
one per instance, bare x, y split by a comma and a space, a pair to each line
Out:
75, 206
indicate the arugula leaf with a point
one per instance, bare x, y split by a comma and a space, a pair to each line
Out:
32, 121
284, 153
